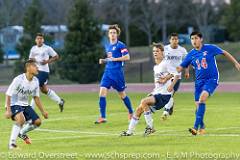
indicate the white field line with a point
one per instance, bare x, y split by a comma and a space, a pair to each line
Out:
72, 131
108, 135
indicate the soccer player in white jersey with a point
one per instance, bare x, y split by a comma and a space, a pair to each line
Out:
22, 87
164, 83
174, 55
44, 55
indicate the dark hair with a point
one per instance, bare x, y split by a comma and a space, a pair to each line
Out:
40, 35
173, 35
197, 33
116, 27
158, 45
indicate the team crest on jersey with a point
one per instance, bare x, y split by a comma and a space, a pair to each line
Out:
114, 48
205, 53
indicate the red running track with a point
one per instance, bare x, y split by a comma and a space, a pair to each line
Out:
134, 87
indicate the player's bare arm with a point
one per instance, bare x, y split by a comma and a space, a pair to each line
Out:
163, 80
170, 88
8, 112
179, 69
50, 60
121, 59
232, 59
111, 59
40, 107
186, 73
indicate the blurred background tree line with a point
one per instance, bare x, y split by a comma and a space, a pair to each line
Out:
141, 21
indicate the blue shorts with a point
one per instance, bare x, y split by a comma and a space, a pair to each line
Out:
208, 85
28, 112
113, 78
161, 101
42, 77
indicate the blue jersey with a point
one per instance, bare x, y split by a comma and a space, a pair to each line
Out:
116, 50
204, 62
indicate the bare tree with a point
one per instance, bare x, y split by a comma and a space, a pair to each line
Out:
204, 12
112, 11
11, 12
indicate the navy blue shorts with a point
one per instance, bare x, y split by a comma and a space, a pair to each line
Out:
42, 78
161, 101
28, 112
114, 79
208, 85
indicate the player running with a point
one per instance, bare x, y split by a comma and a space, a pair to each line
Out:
44, 55
174, 55
160, 96
202, 58
17, 107
117, 54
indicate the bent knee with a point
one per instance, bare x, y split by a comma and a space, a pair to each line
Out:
37, 122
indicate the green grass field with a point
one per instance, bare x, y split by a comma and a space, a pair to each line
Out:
73, 132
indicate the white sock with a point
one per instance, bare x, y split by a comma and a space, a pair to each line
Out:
51, 94
14, 134
148, 118
132, 124
169, 104
28, 127
32, 103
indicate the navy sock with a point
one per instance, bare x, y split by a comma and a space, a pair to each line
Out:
102, 106
128, 104
200, 115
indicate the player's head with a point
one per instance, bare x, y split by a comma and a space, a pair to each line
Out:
31, 67
158, 50
114, 32
39, 39
173, 39
196, 39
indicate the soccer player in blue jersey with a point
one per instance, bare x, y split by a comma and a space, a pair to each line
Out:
202, 58
117, 54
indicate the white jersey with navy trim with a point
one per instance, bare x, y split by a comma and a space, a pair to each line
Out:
174, 57
162, 70
40, 54
21, 89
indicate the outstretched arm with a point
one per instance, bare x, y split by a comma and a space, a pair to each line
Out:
232, 59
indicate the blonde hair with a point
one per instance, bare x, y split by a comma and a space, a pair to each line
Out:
158, 45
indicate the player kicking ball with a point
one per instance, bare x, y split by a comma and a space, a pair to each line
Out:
164, 83
202, 58
174, 55
17, 106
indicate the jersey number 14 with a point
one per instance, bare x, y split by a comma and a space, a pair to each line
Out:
203, 64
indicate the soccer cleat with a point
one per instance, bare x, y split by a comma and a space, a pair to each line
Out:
13, 147
165, 115
193, 131
202, 131
130, 115
148, 131
125, 134
26, 139
100, 120
61, 105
